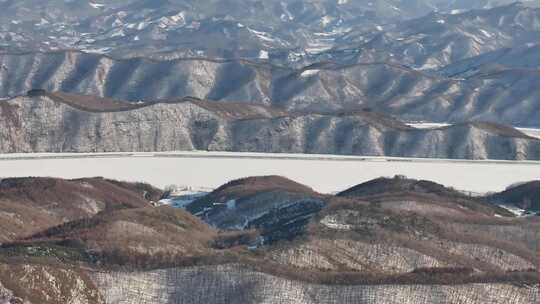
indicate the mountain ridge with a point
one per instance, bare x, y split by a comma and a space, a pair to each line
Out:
201, 125
384, 87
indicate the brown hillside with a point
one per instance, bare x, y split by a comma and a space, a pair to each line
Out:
28, 205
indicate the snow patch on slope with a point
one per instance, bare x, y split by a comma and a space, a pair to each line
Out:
181, 196
308, 73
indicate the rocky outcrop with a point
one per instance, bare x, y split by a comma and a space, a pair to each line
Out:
53, 124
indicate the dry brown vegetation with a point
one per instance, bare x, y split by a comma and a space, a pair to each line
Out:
44, 191
250, 111
128, 233
403, 189
240, 111
144, 231
245, 187
230, 110
34, 283
231, 239
92, 103
422, 219
399, 183
28, 205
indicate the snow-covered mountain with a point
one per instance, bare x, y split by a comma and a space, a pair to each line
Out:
438, 39
60, 122
284, 30
503, 95
431, 61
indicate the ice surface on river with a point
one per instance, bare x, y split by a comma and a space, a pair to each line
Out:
323, 173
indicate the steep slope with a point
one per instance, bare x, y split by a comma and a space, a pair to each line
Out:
49, 123
44, 264
29, 205
385, 226
392, 226
505, 95
395, 236
133, 79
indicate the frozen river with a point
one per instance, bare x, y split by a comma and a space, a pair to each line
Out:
323, 173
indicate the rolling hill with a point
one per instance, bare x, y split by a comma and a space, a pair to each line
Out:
387, 239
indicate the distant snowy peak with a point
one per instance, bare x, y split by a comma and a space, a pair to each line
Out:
437, 40
286, 32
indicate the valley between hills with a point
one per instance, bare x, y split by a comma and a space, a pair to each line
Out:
266, 238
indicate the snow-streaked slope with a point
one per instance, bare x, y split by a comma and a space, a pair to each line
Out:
288, 30
439, 39
499, 95
57, 122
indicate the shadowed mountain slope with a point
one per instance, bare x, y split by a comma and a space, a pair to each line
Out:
277, 206
506, 95
278, 30
525, 196
60, 122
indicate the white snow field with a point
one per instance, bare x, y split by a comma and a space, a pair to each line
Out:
533, 132
325, 173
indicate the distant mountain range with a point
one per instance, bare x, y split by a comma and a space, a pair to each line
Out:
503, 94
285, 29
415, 60
438, 39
